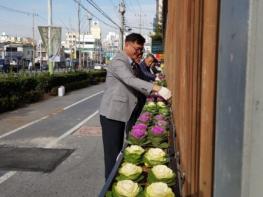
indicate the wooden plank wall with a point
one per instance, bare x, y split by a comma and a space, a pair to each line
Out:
190, 62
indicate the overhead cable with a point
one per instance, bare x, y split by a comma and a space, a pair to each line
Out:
83, 7
19, 11
91, 2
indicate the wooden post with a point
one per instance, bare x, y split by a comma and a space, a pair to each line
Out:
190, 60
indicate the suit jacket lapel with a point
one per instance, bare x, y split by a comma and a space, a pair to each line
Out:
126, 59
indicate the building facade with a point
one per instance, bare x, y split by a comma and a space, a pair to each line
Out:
87, 45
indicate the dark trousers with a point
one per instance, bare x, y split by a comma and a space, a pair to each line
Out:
112, 137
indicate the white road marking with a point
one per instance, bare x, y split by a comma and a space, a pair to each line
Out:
22, 127
72, 105
71, 130
45, 117
12, 173
7, 176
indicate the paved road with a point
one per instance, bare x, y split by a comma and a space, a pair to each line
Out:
52, 123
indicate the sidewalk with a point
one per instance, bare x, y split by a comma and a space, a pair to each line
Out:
81, 174
14, 119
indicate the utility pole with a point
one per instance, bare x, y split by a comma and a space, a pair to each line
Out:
79, 33
50, 63
89, 32
40, 48
33, 43
90, 19
122, 12
140, 25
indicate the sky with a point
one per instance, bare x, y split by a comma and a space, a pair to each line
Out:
65, 15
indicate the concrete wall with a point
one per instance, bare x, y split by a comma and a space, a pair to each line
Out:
238, 168
230, 112
252, 173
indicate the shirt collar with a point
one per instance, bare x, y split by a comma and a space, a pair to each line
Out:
130, 60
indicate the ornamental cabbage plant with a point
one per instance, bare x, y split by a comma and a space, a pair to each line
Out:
159, 117
164, 111
155, 156
140, 126
161, 173
125, 188
158, 136
161, 104
134, 154
162, 123
129, 171
158, 189
145, 117
137, 136
150, 107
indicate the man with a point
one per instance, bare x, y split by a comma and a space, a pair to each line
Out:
120, 98
145, 67
143, 71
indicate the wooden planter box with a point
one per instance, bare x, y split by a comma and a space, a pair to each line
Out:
173, 164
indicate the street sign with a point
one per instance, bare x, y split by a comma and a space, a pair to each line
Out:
55, 36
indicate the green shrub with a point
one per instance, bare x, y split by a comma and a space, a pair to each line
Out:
33, 96
17, 90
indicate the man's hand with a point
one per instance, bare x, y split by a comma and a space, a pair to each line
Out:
156, 88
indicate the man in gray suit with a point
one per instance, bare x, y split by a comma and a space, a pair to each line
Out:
120, 97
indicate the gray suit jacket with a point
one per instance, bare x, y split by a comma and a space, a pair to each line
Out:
119, 98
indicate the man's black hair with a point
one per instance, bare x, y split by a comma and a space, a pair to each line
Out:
134, 37
152, 56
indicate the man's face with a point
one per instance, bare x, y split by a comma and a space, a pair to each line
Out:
134, 50
149, 61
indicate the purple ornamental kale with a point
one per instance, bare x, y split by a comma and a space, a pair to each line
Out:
157, 130
138, 133
140, 126
145, 117
150, 99
159, 117
162, 123
159, 98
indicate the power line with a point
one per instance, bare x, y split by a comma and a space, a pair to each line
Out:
83, 7
132, 6
91, 2
145, 28
19, 11
115, 8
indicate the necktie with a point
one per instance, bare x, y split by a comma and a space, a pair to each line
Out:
135, 69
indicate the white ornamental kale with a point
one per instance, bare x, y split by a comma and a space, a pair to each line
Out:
135, 149
158, 189
126, 188
162, 172
161, 104
151, 104
134, 154
155, 156
129, 171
